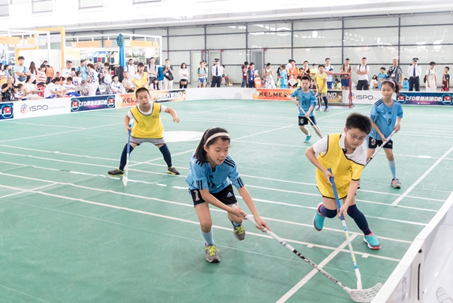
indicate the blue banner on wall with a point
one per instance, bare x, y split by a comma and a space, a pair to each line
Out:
90, 103
425, 98
6, 111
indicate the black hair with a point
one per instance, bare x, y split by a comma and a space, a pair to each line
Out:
447, 67
305, 78
405, 79
200, 153
251, 63
114, 76
321, 65
305, 61
19, 85
140, 64
20, 58
268, 64
55, 80
246, 63
327, 58
432, 63
152, 58
69, 79
183, 64
78, 73
383, 68
28, 78
392, 83
141, 89
356, 120
106, 64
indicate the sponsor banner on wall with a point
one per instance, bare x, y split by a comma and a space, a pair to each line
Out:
128, 100
42, 107
366, 96
333, 96
6, 111
79, 104
425, 98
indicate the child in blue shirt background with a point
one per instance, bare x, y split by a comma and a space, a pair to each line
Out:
381, 76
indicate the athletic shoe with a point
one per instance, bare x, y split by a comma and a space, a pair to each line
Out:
326, 109
239, 232
318, 220
172, 171
211, 254
372, 241
318, 108
307, 139
396, 183
116, 173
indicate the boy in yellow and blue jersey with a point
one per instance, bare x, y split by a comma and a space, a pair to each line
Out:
307, 101
148, 127
345, 156
321, 83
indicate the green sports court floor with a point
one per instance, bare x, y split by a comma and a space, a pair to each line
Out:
69, 233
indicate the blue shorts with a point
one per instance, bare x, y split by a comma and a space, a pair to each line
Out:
329, 85
344, 82
201, 80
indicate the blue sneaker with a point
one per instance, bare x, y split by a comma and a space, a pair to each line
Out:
372, 241
307, 139
318, 220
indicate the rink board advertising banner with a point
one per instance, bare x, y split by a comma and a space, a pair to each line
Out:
90, 103
422, 98
128, 100
333, 96
6, 111
38, 108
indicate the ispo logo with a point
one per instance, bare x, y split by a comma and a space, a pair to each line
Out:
363, 97
24, 109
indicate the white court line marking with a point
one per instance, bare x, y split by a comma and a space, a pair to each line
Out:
173, 202
313, 272
183, 167
182, 176
191, 222
24, 191
398, 200
45, 125
23, 293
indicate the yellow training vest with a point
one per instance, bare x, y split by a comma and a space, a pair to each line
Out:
320, 82
147, 126
343, 169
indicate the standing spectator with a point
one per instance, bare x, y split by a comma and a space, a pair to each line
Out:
244, 69
130, 68
414, 72
67, 72
283, 77
168, 75
128, 85
98, 67
152, 72
345, 68
183, 76
321, 84
396, 73
82, 69
217, 71
288, 66
306, 70
141, 77
202, 74
431, 77
223, 75
328, 69
381, 76
92, 80
20, 71
446, 80
251, 74
33, 71
293, 72
313, 70
160, 77
268, 74
362, 71
8, 90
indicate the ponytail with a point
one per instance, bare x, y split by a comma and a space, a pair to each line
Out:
210, 137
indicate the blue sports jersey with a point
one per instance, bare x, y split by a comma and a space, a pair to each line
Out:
201, 176
385, 117
305, 101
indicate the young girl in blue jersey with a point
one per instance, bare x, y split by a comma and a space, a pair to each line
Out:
386, 115
210, 169
306, 100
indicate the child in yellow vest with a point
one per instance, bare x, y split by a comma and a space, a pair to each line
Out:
148, 127
345, 156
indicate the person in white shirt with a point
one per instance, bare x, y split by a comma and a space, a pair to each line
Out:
414, 71
116, 86
183, 76
217, 72
52, 90
431, 78
131, 69
168, 75
67, 72
329, 70
362, 71
30, 90
152, 72
128, 85
92, 80
77, 80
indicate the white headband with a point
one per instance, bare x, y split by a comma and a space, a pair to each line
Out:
216, 136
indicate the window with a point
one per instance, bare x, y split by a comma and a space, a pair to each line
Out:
91, 4
4, 8
42, 6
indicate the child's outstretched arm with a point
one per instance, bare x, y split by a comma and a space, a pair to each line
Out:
172, 112
127, 121
311, 155
249, 201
